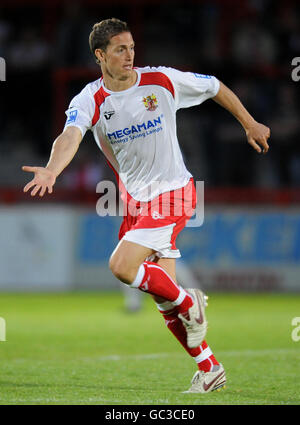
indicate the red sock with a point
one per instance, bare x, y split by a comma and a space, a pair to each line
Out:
153, 279
202, 355
205, 360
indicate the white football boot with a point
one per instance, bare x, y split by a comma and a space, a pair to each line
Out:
205, 382
194, 320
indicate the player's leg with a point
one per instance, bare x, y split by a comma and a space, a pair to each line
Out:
202, 354
128, 264
169, 265
211, 374
133, 299
126, 260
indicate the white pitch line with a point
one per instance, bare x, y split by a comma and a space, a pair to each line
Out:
150, 356
254, 353
246, 352
117, 357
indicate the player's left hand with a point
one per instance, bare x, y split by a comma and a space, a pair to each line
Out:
257, 135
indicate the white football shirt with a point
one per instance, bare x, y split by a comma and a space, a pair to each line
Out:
136, 128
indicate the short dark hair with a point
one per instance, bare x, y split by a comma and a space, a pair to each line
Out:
103, 31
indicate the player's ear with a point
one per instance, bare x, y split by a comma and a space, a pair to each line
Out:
100, 55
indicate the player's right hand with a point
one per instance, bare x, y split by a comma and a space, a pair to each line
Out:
43, 179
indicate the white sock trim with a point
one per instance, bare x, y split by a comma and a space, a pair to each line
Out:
181, 297
165, 306
139, 277
204, 355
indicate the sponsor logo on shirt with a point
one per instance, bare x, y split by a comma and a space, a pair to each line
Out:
150, 102
135, 131
72, 115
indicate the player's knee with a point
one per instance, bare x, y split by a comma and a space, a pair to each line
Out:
121, 269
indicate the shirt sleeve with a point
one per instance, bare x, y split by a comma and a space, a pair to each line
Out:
191, 88
80, 112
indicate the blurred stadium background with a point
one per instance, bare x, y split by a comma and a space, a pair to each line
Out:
250, 240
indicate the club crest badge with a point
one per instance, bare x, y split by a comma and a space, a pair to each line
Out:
150, 102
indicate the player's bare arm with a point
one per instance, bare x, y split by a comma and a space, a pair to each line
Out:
63, 150
257, 134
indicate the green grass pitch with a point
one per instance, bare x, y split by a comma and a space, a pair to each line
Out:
82, 348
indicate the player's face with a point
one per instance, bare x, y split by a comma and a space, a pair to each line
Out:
119, 55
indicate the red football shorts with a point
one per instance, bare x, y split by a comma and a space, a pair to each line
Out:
157, 223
